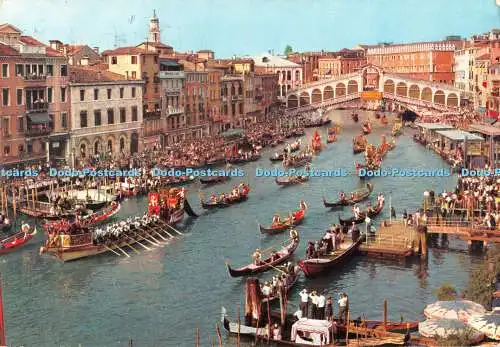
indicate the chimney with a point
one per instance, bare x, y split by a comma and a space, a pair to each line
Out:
84, 61
96, 49
65, 50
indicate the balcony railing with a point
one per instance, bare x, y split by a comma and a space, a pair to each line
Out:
37, 107
236, 97
152, 114
172, 91
37, 131
35, 78
175, 110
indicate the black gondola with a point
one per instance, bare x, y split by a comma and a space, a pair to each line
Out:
364, 195
362, 216
214, 179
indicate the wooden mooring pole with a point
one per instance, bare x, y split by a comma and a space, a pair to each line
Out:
385, 314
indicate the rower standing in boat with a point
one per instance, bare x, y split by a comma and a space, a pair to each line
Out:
303, 205
304, 302
276, 220
310, 251
257, 256
266, 289
356, 211
342, 196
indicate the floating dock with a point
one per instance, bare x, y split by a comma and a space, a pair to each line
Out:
392, 240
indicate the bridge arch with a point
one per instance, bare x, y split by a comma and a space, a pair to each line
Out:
340, 89
352, 87
439, 97
328, 93
452, 100
426, 94
316, 96
389, 86
293, 101
305, 99
402, 89
414, 92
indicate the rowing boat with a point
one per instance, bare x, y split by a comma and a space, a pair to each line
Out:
227, 201
292, 180
17, 240
278, 258
277, 228
362, 216
288, 287
214, 179
331, 138
360, 195
315, 266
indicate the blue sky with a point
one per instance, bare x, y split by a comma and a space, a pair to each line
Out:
250, 26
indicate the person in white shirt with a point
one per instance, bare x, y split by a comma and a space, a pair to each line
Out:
343, 302
356, 211
266, 289
298, 314
321, 305
304, 300
314, 301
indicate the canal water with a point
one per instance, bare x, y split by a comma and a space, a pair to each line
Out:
160, 297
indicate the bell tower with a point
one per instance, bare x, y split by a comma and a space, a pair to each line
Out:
154, 29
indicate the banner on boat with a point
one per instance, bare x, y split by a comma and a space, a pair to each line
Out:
154, 205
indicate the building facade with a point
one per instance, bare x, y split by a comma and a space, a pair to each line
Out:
138, 64
197, 122
289, 73
77, 54
34, 105
106, 115
430, 61
344, 62
232, 100
173, 80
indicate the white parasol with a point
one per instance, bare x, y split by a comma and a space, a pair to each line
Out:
459, 309
444, 328
488, 323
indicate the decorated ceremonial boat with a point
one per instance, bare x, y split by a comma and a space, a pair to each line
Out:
86, 221
214, 179
298, 217
17, 240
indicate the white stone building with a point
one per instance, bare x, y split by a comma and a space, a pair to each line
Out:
106, 114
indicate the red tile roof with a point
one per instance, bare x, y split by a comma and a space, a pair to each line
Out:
89, 75
485, 56
100, 66
155, 44
74, 49
127, 51
28, 40
7, 51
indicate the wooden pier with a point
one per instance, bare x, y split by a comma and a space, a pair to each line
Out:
392, 240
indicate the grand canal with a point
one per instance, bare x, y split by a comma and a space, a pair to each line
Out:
159, 297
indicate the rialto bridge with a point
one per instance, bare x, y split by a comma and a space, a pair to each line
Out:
372, 84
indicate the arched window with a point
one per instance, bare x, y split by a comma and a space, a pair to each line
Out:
96, 148
110, 146
122, 144
83, 150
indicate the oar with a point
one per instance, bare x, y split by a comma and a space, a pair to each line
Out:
160, 235
143, 238
275, 268
128, 256
171, 227
112, 250
132, 248
145, 247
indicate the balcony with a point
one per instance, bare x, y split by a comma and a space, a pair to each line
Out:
153, 132
172, 91
171, 111
37, 107
152, 114
156, 79
35, 131
236, 97
172, 74
224, 98
33, 79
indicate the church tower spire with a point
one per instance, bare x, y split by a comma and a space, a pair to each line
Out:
154, 29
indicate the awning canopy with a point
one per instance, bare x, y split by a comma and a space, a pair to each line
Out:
433, 126
459, 135
233, 132
485, 129
39, 118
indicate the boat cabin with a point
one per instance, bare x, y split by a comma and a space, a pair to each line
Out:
451, 141
313, 332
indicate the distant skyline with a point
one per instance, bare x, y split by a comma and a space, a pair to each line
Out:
250, 27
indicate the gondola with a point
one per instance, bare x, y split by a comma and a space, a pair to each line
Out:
357, 148
363, 194
384, 120
366, 129
362, 216
254, 157
331, 139
297, 161
17, 240
214, 179
228, 201
292, 180
4, 227
274, 297
277, 158
278, 228
282, 255
316, 266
